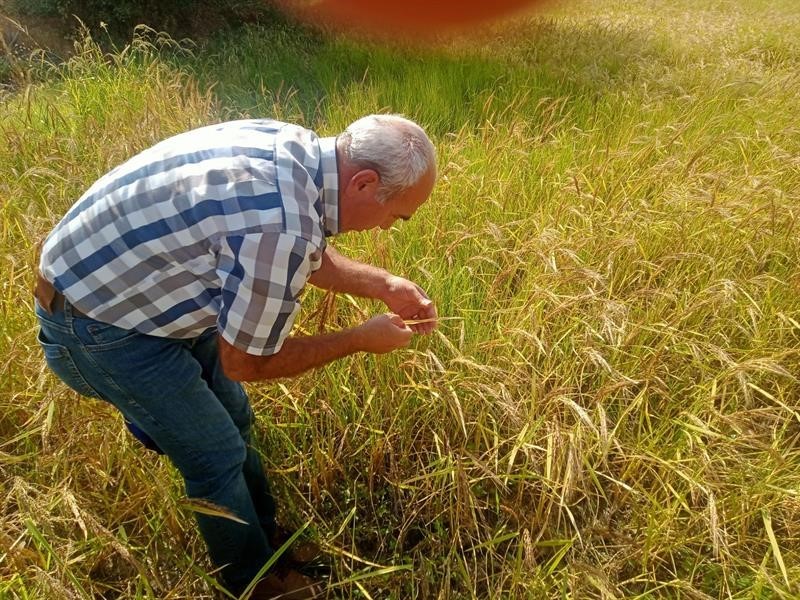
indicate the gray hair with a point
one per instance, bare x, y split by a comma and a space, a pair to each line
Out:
397, 148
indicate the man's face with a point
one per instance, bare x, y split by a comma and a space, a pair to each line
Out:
368, 213
404, 205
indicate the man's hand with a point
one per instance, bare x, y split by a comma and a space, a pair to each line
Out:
410, 301
383, 334
379, 335
403, 297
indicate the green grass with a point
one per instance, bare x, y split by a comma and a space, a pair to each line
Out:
615, 412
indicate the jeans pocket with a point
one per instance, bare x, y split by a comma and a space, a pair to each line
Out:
60, 362
105, 336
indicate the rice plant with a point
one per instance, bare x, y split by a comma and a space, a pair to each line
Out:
610, 409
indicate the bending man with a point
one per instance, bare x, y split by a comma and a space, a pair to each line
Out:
177, 275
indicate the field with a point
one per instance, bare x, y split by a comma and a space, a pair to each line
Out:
613, 408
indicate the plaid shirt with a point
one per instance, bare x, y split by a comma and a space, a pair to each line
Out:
217, 227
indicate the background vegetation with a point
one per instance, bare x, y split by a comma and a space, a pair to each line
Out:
613, 413
120, 17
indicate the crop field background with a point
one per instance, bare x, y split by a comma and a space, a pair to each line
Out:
612, 408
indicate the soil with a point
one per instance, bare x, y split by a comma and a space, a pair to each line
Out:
23, 34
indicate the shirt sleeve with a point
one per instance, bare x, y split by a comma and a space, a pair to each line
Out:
262, 275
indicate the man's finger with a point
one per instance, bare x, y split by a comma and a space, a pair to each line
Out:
419, 321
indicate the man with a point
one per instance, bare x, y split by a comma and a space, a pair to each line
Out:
177, 275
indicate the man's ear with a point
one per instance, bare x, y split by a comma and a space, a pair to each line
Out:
365, 182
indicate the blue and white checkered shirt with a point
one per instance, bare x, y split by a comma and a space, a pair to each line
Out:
217, 227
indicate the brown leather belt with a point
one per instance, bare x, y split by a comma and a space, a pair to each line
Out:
50, 298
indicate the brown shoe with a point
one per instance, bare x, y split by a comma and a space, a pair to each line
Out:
299, 554
286, 584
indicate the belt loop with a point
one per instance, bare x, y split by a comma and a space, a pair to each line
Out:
68, 312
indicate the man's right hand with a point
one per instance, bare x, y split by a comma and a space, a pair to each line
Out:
383, 334
379, 335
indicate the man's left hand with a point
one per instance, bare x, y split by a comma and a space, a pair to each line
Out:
410, 301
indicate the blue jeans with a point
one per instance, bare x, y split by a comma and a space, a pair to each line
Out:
176, 393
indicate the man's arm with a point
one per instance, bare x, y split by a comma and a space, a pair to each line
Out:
379, 335
341, 274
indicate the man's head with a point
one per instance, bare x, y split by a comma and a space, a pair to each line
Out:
387, 169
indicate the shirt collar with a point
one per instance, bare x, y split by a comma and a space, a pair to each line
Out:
330, 184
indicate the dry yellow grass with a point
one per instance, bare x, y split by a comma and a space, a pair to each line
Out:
611, 410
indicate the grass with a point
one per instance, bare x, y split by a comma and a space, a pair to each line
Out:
614, 412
